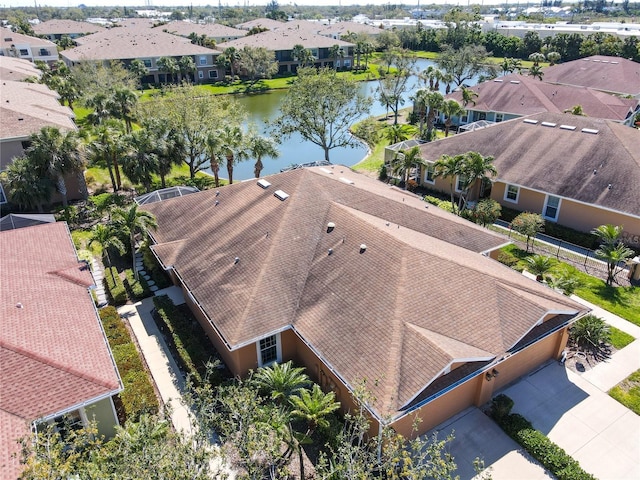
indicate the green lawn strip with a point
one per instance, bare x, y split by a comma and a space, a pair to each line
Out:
627, 392
618, 338
81, 239
621, 301
137, 289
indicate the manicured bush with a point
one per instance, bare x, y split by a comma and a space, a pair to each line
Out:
193, 354
590, 332
115, 290
507, 259
550, 455
138, 396
137, 289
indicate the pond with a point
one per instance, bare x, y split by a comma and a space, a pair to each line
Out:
264, 107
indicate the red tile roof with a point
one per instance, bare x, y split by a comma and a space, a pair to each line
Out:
53, 352
420, 296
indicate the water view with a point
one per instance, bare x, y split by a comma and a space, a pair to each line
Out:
265, 107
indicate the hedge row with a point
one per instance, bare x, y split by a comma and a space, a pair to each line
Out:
114, 286
154, 269
138, 289
138, 396
550, 455
192, 354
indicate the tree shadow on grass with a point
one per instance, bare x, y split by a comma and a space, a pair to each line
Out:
610, 294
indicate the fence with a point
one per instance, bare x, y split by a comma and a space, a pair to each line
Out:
576, 255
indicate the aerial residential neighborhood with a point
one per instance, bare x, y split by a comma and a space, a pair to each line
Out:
307, 242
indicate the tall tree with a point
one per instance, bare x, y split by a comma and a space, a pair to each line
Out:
450, 108
476, 169
58, 154
528, 224
321, 106
170, 66
123, 104
302, 55
405, 161
140, 162
139, 70
465, 63
428, 102
187, 66
133, 222
107, 146
107, 237
449, 167
25, 186
259, 147
234, 146
612, 249
394, 85
335, 53
257, 63
396, 133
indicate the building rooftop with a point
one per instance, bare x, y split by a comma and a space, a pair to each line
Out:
54, 355
260, 22
609, 74
9, 38
17, 69
211, 30
394, 292
565, 155
66, 27
284, 39
525, 95
27, 107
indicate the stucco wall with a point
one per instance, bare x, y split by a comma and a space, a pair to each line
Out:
104, 414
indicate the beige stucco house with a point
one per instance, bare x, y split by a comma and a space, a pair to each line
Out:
577, 171
358, 281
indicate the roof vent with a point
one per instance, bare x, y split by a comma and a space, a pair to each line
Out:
330, 227
528, 120
280, 195
498, 80
326, 170
567, 127
236, 260
514, 81
363, 248
548, 124
330, 251
590, 130
614, 63
19, 305
263, 183
346, 180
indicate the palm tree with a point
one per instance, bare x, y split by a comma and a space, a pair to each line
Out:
259, 147
335, 52
468, 96
612, 249
450, 109
134, 221
313, 406
24, 184
57, 154
539, 265
213, 149
141, 160
510, 65
433, 76
186, 66
102, 106
405, 161
396, 133
107, 146
169, 66
281, 380
536, 72
139, 70
302, 55
234, 147
434, 102
123, 105
449, 167
475, 168
553, 57
107, 237
230, 58
576, 110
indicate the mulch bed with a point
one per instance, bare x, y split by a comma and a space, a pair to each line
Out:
582, 360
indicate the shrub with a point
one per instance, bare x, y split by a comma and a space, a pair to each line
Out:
138, 396
528, 224
539, 265
154, 269
382, 173
486, 212
138, 289
590, 332
550, 455
507, 259
501, 406
114, 286
568, 283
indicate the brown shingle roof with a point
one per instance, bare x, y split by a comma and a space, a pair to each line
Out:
419, 297
283, 39
343, 28
211, 30
559, 161
66, 27
524, 95
260, 22
609, 74
123, 43
53, 352
9, 38
17, 69
27, 107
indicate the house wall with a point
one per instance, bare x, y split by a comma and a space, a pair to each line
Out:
572, 214
8, 151
104, 413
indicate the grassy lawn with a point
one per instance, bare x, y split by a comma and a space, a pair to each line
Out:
81, 239
621, 301
619, 339
627, 392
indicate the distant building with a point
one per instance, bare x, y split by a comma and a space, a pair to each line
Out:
17, 45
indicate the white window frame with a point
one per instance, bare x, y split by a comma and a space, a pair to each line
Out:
546, 204
278, 346
506, 193
429, 168
200, 74
213, 74
458, 178
203, 60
